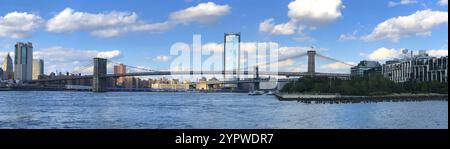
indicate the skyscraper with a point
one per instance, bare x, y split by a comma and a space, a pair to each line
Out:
120, 69
7, 68
38, 68
23, 61
231, 56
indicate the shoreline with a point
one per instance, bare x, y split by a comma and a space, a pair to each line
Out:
323, 98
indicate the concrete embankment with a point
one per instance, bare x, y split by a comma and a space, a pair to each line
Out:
336, 99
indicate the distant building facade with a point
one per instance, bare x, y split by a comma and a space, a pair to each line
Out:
364, 68
421, 68
120, 69
23, 61
8, 72
1, 74
38, 68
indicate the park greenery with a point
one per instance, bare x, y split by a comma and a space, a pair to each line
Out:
362, 86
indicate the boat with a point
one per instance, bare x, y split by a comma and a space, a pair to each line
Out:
270, 93
256, 93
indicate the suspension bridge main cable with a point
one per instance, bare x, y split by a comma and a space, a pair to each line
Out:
275, 62
129, 66
335, 60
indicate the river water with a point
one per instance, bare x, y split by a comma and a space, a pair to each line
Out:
144, 110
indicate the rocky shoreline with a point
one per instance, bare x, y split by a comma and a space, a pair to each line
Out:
336, 99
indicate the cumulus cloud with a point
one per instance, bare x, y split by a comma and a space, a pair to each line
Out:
418, 24
337, 66
204, 13
19, 24
443, 2
112, 24
382, 54
401, 2
66, 59
304, 13
315, 12
438, 53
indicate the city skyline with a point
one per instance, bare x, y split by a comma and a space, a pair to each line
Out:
129, 35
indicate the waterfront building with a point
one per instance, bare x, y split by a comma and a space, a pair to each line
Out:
120, 69
23, 61
38, 68
8, 72
421, 68
202, 84
364, 68
1, 74
173, 84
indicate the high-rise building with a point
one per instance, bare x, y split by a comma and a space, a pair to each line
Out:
38, 68
8, 72
365, 68
231, 56
120, 69
23, 61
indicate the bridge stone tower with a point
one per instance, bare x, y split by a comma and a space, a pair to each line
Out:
100, 83
311, 62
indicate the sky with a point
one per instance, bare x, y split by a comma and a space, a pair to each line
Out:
67, 34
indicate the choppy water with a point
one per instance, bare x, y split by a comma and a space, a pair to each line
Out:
212, 110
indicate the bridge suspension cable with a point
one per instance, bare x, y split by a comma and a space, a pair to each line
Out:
277, 61
78, 70
129, 66
335, 60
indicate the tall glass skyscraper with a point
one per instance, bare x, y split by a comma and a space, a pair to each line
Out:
231, 56
23, 61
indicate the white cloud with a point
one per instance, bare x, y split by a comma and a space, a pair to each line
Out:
112, 24
109, 54
203, 13
267, 25
347, 37
161, 58
315, 12
304, 14
68, 20
443, 2
19, 24
67, 59
438, 53
337, 66
384, 54
109, 24
418, 24
288, 28
401, 2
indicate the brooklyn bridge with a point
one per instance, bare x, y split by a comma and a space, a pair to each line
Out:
99, 78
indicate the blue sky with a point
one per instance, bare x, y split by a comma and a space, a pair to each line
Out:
350, 30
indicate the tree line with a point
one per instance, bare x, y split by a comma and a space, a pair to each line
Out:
361, 86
